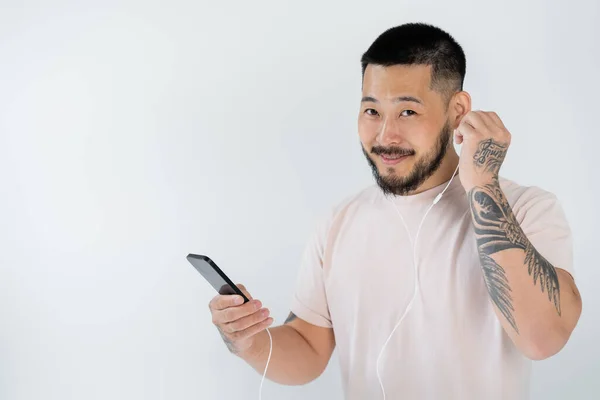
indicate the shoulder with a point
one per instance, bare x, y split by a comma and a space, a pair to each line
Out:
348, 205
517, 192
524, 199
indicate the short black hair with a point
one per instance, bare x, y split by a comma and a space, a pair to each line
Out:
421, 44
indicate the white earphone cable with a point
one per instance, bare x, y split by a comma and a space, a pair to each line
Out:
416, 272
267, 365
415, 291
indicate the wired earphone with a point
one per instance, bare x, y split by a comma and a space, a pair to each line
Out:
267, 365
410, 303
416, 271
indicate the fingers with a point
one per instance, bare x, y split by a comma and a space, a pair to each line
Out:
247, 321
234, 313
250, 331
483, 119
458, 137
474, 119
482, 122
237, 321
464, 130
496, 119
486, 118
222, 302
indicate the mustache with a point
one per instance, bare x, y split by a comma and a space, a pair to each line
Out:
391, 151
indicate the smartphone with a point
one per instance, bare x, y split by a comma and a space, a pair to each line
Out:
214, 275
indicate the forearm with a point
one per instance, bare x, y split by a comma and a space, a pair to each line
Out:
293, 360
537, 304
540, 322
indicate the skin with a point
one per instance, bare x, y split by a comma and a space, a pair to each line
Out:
238, 322
537, 304
384, 122
301, 350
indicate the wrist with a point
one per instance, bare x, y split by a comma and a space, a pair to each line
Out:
255, 347
482, 182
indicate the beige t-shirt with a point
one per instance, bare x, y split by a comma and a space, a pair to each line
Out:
357, 277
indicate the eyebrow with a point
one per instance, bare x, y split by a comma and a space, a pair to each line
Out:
396, 100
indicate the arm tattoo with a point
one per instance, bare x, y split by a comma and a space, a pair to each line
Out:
230, 346
490, 155
498, 288
290, 318
497, 229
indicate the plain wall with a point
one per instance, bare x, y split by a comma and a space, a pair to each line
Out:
134, 133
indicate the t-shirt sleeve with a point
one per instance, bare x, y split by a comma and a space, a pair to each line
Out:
309, 301
546, 226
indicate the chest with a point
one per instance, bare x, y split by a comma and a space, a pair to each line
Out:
370, 270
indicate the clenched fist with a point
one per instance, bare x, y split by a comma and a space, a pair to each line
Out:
485, 141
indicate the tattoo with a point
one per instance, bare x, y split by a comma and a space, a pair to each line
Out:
490, 155
228, 342
498, 288
497, 229
290, 318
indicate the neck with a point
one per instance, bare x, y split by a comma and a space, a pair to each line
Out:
443, 173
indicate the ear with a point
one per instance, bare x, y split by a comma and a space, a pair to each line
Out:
460, 105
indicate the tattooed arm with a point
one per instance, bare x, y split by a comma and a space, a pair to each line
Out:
537, 303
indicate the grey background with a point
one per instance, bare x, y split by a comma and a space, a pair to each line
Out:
135, 132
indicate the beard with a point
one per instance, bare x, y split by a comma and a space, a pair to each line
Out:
423, 168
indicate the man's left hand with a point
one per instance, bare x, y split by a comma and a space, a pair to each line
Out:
485, 141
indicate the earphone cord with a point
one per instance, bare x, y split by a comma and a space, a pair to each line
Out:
267, 365
416, 279
416, 288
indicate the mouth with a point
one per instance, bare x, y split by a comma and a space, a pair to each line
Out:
393, 159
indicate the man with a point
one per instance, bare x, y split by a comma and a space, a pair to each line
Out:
493, 288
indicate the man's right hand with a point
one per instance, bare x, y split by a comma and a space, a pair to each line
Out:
238, 323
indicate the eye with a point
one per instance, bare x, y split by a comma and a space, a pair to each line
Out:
371, 112
408, 111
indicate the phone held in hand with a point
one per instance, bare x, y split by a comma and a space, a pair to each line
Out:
214, 275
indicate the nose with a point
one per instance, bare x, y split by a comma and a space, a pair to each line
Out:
389, 133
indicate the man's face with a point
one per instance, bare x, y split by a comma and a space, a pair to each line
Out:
403, 126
